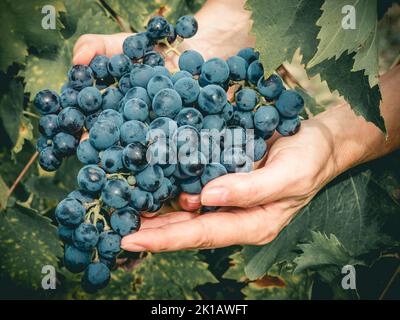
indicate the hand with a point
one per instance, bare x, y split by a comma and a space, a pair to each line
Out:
296, 169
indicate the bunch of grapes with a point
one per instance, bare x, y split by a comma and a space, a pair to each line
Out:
152, 135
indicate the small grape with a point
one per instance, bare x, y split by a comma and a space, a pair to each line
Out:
215, 71
190, 116
237, 68
157, 28
48, 125
109, 244
186, 26
150, 178
246, 99
89, 99
104, 134
71, 120
133, 131
70, 212
141, 200
125, 221
111, 159
80, 76
99, 66
191, 61
76, 260
135, 109
266, 119
118, 65
91, 178
270, 88
212, 171
47, 102
249, 54
153, 58
141, 74
96, 276
212, 99
116, 193
134, 157
288, 126
64, 144
158, 83
290, 103
86, 153
167, 103
188, 89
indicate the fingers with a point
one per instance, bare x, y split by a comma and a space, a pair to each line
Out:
172, 217
213, 230
248, 189
189, 202
90, 45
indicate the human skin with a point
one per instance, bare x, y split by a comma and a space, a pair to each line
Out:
259, 204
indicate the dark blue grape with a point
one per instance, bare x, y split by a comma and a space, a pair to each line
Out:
133, 131
167, 103
256, 148
290, 103
138, 92
96, 276
158, 83
118, 65
191, 185
91, 119
125, 221
89, 99
270, 88
179, 75
235, 160
116, 193
48, 159
168, 169
214, 121
111, 98
69, 98
155, 207
212, 171
193, 164
248, 54
141, 74
141, 200
255, 71
179, 175
70, 212
266, 119
43, 142
150, 178
288, 126
212, 99
109, 244
188, 89
161, 71
171, 34
186, 26
99, 66
210, 144
227, 111
191, 61
76, 260
65, 233
91, 178
86, 153
85, 237
112, 116
234, 136
136, 46
80, 76
47, 101
157, 28
124, 83
102, 84
243, 119
246, 99
186, 139
164, 191
215, 71
134, 157
48, 125
111, 159
82, 196
104, 134
161, 128
153, 58
237, 68
135, 109
162, 152
71, 120
191, 117
64, 144
100, 225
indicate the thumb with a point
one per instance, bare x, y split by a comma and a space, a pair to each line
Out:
246, 189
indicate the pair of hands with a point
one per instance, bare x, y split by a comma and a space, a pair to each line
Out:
259, 204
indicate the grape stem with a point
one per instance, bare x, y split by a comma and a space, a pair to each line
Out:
21, 175
30, 114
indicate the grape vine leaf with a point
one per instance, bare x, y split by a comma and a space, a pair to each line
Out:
177, 273
28, 242
11, 107
44, 187
50, 71
3, 194
323, 251
356, 207
25, 133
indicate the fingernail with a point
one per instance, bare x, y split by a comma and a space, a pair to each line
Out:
82, 50
214, 196
129, 246
194, 199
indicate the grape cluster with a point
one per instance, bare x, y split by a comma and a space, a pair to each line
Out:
152, 135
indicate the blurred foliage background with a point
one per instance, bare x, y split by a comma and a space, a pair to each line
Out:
365, 233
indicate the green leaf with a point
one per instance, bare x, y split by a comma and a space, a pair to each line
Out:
3, 194
67, 173
44, 187
323, 251
50, 71
11, 107
281, 29
355, 207
13, 48
28, 242
336, 40
353, 86
310, 104
25, 132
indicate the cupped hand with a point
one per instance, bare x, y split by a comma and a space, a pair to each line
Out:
258, 205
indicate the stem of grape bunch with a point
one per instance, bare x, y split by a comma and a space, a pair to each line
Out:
21, 175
